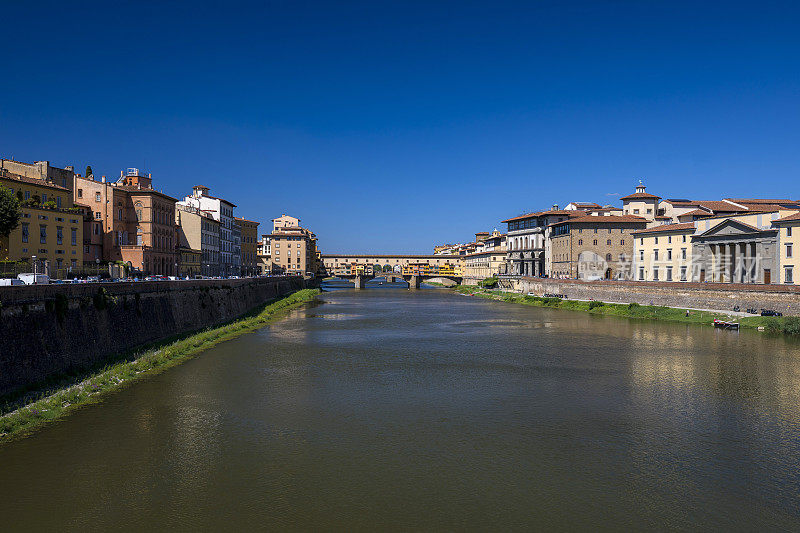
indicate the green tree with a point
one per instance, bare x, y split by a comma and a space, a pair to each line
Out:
10, 212
88, 171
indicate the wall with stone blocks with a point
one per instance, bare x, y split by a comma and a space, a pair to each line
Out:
48, 330
719, 296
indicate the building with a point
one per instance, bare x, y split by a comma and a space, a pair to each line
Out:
525, 247
751, 247
488, 260
50, 233
293, 249
198, 234
222, 211
593, 247
663, 253
789, 243
249, 238
333, 263
41, 170
189, 262
131, 222
641, 204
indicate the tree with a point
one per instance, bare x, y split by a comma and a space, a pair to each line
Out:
10, 212
88, 171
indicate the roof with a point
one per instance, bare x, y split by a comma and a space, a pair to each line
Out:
667, 228
131, 188
556, 212
609, 219
586, 204
761, 201
795, 217
220, 199
32, 181
720, 205
641, 196
697, 212
242, 219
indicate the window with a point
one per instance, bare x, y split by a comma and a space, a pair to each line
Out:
608, 258
655, 255
655, 273
97, 215
641, 241
622, 242
580, 242
80, 193
24, 232
608, 242
97, 197
656, 240
27, 195
788, 278
669, 273
683, 253
44, 198
683, 273
42, 234
74, 236
59, 235
788, 250
649, 211
669, 254
119, 214
641, 273
594, 242
641, 255
669, 239
683, 239
788, 232
635, 211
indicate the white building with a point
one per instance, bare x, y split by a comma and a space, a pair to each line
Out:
222, 211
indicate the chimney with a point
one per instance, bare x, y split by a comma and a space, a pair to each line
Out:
103, 179
555, 207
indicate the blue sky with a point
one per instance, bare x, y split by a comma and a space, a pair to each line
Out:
392, 126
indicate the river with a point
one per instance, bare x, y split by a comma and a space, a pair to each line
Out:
409, 410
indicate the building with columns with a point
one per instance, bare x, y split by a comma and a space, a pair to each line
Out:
525, 240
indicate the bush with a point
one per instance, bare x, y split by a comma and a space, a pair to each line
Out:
633, 305
488, 283
594, 303
791, 325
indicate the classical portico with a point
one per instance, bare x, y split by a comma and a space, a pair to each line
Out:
734, 252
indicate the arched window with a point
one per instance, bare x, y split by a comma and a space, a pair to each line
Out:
608, 257
138, 207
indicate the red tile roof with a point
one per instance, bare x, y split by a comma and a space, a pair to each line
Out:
697, 212
761, 201
641, 196
545, 213
611, 219
789, 218
666, 228
32, 181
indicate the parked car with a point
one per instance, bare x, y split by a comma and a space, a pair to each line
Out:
11, 281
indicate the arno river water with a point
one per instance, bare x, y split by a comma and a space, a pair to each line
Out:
409, 410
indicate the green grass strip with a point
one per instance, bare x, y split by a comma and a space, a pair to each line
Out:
789, 325
26, 419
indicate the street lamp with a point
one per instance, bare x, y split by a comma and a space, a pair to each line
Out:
33, 258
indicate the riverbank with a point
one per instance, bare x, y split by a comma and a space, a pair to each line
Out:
29, 417
778, 325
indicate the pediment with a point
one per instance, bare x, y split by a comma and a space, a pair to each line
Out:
731, 227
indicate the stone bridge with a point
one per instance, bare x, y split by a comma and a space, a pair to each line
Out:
414, 280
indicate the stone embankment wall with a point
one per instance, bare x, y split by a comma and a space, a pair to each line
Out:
47, 330
718, 296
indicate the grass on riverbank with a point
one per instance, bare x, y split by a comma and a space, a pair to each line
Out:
783, 325
56, 405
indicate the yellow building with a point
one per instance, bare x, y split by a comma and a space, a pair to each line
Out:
789, 244
50, 231
663, 253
